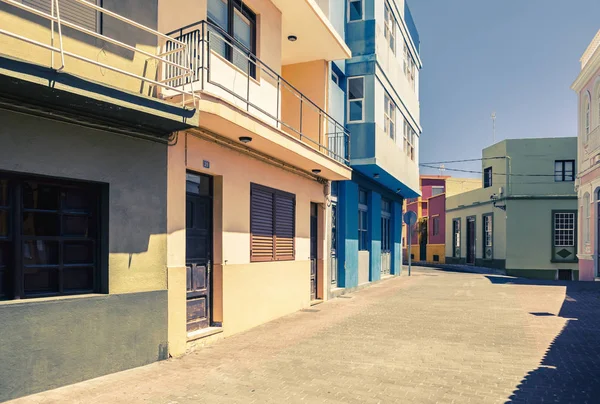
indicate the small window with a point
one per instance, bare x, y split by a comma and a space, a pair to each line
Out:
389, 117
363, 209
436, 225
437, 190
487, 177
564, 240
272, 224
409, 140
355, 10
409, 66
564, 170
390, 27
356, 97
335, 78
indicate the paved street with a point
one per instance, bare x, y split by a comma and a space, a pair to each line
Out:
437, 337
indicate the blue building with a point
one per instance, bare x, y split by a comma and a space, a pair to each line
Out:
376, 94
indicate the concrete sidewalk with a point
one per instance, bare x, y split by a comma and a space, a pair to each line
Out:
436, 337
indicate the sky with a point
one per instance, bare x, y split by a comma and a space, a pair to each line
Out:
515, 57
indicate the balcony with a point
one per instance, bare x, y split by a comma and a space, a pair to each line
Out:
99, 69
225, 71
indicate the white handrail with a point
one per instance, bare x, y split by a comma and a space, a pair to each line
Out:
187, 71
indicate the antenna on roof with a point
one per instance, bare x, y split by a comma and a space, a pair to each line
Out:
442, 168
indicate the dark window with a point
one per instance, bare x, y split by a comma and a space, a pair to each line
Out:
48, 237
356, 98
564, 170
363, 209
436, 225
239, 22
355, 10
272, 224
386, 226
487, 177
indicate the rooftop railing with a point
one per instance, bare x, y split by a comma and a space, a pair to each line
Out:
225, 67
176, 59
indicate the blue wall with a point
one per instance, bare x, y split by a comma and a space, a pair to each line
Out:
348, 234
375, 236
397, 238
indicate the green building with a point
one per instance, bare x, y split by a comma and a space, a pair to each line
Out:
524, 219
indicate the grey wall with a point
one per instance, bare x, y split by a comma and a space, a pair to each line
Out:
47, 344
51, 342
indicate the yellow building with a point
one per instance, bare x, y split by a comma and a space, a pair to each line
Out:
164, 177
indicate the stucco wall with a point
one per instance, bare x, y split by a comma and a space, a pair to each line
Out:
37, 28
54, 342
135, 172
50, 342
529, 233
245, 294
437, 207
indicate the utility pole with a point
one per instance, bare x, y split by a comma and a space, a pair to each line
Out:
493, 127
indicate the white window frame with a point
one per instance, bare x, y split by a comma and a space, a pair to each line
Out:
586, 218
389, 26
409, 140
335, 78
349, 101
389, 116
362, 10
564, 229
437, 187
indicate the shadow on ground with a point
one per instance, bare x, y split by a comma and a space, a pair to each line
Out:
570, 370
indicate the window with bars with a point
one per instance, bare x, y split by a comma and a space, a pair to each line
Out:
363, 212
49, 237
389, 116
389, 28
564, 170
564, 229
239, 22
272, 224
487, 230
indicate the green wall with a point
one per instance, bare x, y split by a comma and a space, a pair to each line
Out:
50, 343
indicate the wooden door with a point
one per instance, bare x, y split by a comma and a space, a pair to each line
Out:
313, 250
471, 240
334, 261
198, 250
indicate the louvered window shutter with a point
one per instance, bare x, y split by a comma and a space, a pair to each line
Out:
284, 226
71, 11
262, 246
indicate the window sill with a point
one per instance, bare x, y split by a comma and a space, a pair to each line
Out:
50, 299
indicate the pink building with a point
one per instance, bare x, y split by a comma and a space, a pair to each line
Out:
587, 87
428, 238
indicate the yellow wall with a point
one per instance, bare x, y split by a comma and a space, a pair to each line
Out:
459, 185
436, 249
37, 28
245, 294
311, 79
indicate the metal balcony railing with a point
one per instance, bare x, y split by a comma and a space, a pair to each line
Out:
223, 65
175, 59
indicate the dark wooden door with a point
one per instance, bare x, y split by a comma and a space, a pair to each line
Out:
313, 249
470, 241
198, 250
334, 261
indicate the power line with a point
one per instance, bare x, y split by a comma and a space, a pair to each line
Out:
463, 161
493, 173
